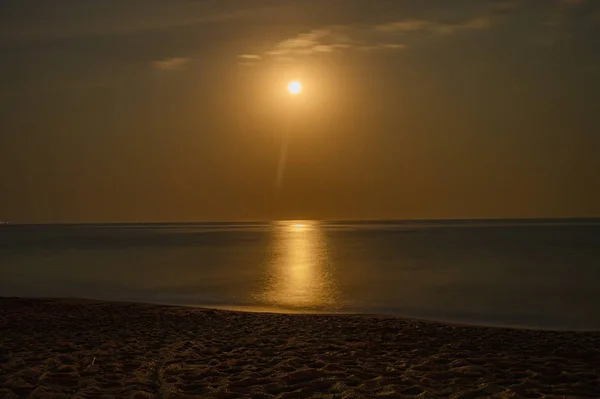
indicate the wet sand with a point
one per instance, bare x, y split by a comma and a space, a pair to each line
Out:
91, 349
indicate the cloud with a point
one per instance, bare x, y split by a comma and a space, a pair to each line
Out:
393, 46
481, 21
248, 60
324, 41
475, 23
311, 42
249, 57
383, 46
171, 64
405, 26
383, 35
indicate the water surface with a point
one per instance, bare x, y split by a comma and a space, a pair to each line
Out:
535, 273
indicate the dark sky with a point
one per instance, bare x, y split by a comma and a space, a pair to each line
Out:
148, 110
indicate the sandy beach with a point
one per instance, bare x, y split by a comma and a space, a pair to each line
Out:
90, 349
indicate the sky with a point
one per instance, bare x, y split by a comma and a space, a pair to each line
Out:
160, 111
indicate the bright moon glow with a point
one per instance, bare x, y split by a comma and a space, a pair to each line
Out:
294, 87
298, 227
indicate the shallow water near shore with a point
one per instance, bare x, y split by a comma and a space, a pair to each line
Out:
529, 273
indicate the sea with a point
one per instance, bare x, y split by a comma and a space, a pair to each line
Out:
542, 273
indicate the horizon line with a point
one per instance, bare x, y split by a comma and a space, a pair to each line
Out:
268, 221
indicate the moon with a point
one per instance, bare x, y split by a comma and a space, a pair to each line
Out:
294, 87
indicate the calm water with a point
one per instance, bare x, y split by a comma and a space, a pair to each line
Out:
535, 273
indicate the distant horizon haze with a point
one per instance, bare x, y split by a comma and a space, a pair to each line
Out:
449, 221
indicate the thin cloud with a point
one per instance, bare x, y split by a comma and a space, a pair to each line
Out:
339, 38
383, 36
248, 60
476, 23
481, 22
171, 64
484, 20
329, 48
393, 46
405, 26
383, 46
249, 57
325, 41
304, 43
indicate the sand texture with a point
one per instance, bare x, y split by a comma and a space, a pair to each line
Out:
88, 349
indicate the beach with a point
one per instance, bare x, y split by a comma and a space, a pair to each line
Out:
52, 348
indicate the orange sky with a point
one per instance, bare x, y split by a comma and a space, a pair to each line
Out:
154, 111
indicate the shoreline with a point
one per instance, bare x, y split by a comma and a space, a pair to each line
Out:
53, 348
290, 311
447, 321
